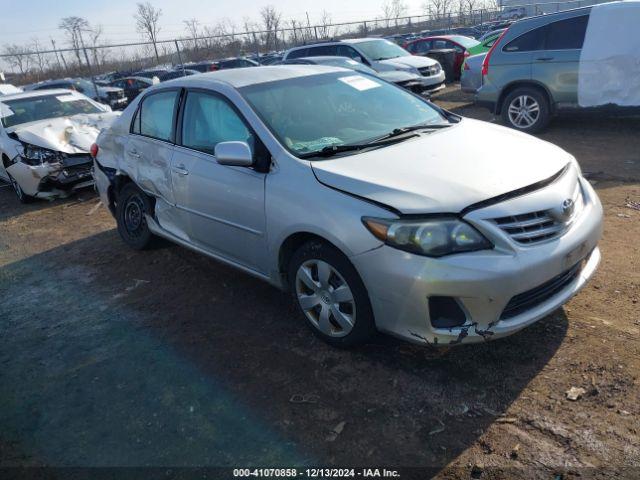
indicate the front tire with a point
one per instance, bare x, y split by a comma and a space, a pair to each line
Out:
331, 295
131, 208
526, 109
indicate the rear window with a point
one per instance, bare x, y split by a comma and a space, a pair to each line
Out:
567, 34
528, 42
323, 50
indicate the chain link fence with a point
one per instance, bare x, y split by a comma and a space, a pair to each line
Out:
93, 60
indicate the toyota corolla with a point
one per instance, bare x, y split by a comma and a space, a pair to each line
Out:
378, 210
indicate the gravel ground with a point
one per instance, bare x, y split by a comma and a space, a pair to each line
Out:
110, 357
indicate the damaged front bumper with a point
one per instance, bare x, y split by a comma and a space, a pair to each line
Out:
491, 293
53, 180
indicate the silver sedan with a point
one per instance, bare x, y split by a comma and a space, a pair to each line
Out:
375, 208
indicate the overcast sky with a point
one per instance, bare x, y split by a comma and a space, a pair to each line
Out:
21, 20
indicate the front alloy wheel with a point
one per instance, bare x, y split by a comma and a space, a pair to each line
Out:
325, 298
331, 294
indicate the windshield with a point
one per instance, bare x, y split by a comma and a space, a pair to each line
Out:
310, 113
381, 49
85, 86
466, 42
24, 110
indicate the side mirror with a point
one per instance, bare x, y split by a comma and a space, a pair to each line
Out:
236, 154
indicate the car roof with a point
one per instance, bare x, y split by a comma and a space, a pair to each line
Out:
243, 77
352, 41
36, 93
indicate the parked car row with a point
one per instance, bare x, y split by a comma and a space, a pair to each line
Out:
112, 96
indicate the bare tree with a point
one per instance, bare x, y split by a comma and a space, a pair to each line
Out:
387, 13
271, 22
98, 54
73, 28
325, 21
192, 26
147, 17
18, 57
468, 7
437, 8
39, 58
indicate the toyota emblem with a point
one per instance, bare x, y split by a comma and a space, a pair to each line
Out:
568, 206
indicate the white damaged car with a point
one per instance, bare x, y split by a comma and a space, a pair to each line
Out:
45, 138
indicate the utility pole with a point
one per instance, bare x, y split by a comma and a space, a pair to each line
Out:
179, 57
93, 80
53, 42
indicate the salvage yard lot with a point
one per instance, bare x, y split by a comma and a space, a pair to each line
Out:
112, 357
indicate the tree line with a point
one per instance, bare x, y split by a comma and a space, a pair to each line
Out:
271, 31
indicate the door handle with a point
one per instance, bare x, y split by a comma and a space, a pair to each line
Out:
544, 59
134, 153
180, 169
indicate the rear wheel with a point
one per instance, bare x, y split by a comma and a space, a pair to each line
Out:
331, 295
131, 208
526, 109
23, 197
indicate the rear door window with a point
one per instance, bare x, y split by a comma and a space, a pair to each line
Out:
420, 47
567, 34
322, 50
302, 52
527, 42
157, 114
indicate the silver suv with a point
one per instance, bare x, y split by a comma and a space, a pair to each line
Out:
546, 65
381, 55
374, 207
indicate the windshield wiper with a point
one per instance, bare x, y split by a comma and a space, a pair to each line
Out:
396, 132
331, 150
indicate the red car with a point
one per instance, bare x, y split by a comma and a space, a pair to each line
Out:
460, 43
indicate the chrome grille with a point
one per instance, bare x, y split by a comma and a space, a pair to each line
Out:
541, 225
429, 71
531, 227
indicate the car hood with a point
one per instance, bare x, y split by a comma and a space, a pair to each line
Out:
73, 134
407, 62
446, 170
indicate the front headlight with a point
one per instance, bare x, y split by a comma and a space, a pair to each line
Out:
34, 155
433, 237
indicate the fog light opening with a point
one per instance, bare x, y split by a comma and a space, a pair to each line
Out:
445, 312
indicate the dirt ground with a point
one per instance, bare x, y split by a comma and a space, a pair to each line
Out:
110, 357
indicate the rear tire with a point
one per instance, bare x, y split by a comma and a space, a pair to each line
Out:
526, 109
132, 205
331, 295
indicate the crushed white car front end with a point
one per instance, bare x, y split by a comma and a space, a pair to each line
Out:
52, 157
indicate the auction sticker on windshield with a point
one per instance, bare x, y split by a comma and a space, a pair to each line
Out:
359, 82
